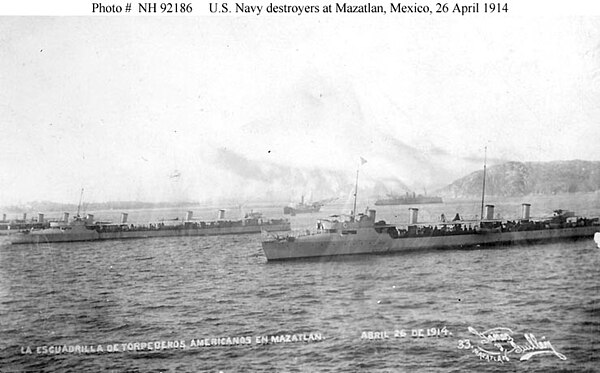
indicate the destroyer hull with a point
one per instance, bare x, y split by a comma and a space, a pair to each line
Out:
92, 235
36, 238
300, 210
371, 242
194, 232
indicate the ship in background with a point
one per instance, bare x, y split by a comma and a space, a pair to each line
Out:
87, 229
408, 199
305, 208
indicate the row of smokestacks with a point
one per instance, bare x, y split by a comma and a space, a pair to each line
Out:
65, 217
413, 213
40, 217
525, 211
188, 216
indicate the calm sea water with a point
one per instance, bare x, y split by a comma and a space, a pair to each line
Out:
174, 293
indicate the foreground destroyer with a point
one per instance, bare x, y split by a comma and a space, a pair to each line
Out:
363, 235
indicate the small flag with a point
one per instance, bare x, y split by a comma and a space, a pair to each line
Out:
362, 161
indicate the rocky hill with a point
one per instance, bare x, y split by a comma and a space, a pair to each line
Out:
514, 179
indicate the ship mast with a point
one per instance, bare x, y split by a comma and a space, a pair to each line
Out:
362, 161
483, 189
79, 206
355, 193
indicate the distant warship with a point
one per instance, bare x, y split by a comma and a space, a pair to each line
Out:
86, 229
408, 200
302, 208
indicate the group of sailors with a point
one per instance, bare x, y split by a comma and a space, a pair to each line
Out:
430, 230
132, 227
443, 218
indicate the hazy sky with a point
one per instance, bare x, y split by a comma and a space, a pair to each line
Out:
208, 107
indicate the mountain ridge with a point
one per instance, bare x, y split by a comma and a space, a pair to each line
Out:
512, 179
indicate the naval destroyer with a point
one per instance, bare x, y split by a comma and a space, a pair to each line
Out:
362, 234
87, 229
408, 199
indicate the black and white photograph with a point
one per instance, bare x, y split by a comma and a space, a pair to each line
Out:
282, 186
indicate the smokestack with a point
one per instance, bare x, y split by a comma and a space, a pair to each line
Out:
124, 216
40, 217
525, 207
188, 215
372, 215
24, 216
66, 217
221, 215
3, 217
412, 215
489, 212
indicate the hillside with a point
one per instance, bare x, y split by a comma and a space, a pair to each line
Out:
514, 179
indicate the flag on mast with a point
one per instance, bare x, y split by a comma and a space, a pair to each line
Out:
362, 161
